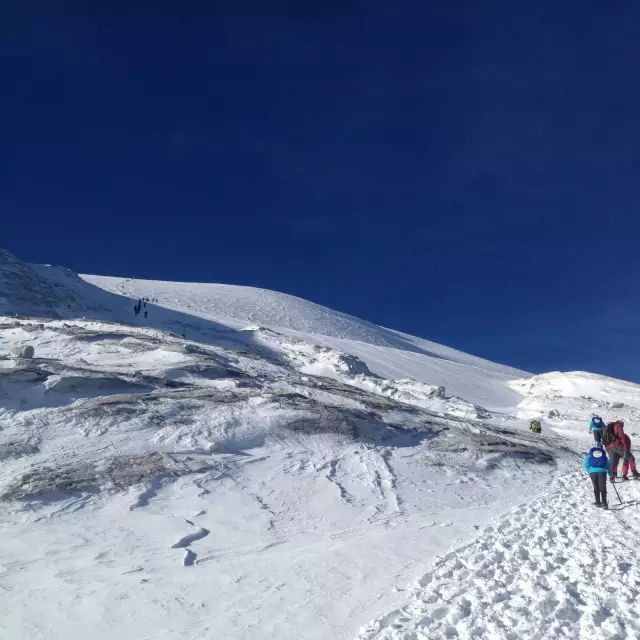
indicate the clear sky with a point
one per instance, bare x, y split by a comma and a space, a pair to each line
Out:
464, 171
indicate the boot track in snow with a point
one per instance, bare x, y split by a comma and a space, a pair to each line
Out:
556, 567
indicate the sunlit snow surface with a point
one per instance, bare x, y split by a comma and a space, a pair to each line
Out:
245, 464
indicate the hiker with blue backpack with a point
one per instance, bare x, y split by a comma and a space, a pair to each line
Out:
597, 465
596, 426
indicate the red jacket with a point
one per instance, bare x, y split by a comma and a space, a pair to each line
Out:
621, 438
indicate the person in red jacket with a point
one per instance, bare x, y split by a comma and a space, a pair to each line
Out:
628, 460
613, 439
618, 446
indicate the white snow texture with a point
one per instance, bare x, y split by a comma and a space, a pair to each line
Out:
232, 462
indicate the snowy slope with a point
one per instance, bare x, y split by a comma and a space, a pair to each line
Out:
24, 291
388, 353
244, 464
550, 568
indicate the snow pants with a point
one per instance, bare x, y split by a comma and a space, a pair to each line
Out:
628, 460
599, 480
615, 455
597, 436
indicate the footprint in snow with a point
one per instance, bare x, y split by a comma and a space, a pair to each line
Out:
190, 538
183, 543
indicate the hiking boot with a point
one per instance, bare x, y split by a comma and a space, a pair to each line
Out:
636, 474
598, 504
605, 505
625, 477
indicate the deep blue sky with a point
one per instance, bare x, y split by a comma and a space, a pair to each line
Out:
465, 171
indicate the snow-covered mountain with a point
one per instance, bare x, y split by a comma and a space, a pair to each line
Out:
388, 353
239, 463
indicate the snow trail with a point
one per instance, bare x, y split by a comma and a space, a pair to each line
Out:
555, 567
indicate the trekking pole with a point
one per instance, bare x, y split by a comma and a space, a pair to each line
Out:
614, 488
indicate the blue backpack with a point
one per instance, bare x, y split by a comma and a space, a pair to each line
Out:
597, 458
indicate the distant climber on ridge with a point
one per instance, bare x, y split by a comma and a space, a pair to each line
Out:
597, 465
596, 426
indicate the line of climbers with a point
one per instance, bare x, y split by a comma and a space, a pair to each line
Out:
142, 302
612, 445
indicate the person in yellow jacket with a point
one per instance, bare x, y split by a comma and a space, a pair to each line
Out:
535, 426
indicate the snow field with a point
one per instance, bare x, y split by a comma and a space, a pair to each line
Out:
304, 503
246, 464
554, 567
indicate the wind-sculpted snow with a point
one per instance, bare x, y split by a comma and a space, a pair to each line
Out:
26, 388
19, 447
186, 410
289, 454
184, 475
57, 482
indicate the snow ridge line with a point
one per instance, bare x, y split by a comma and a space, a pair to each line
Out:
544, 570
